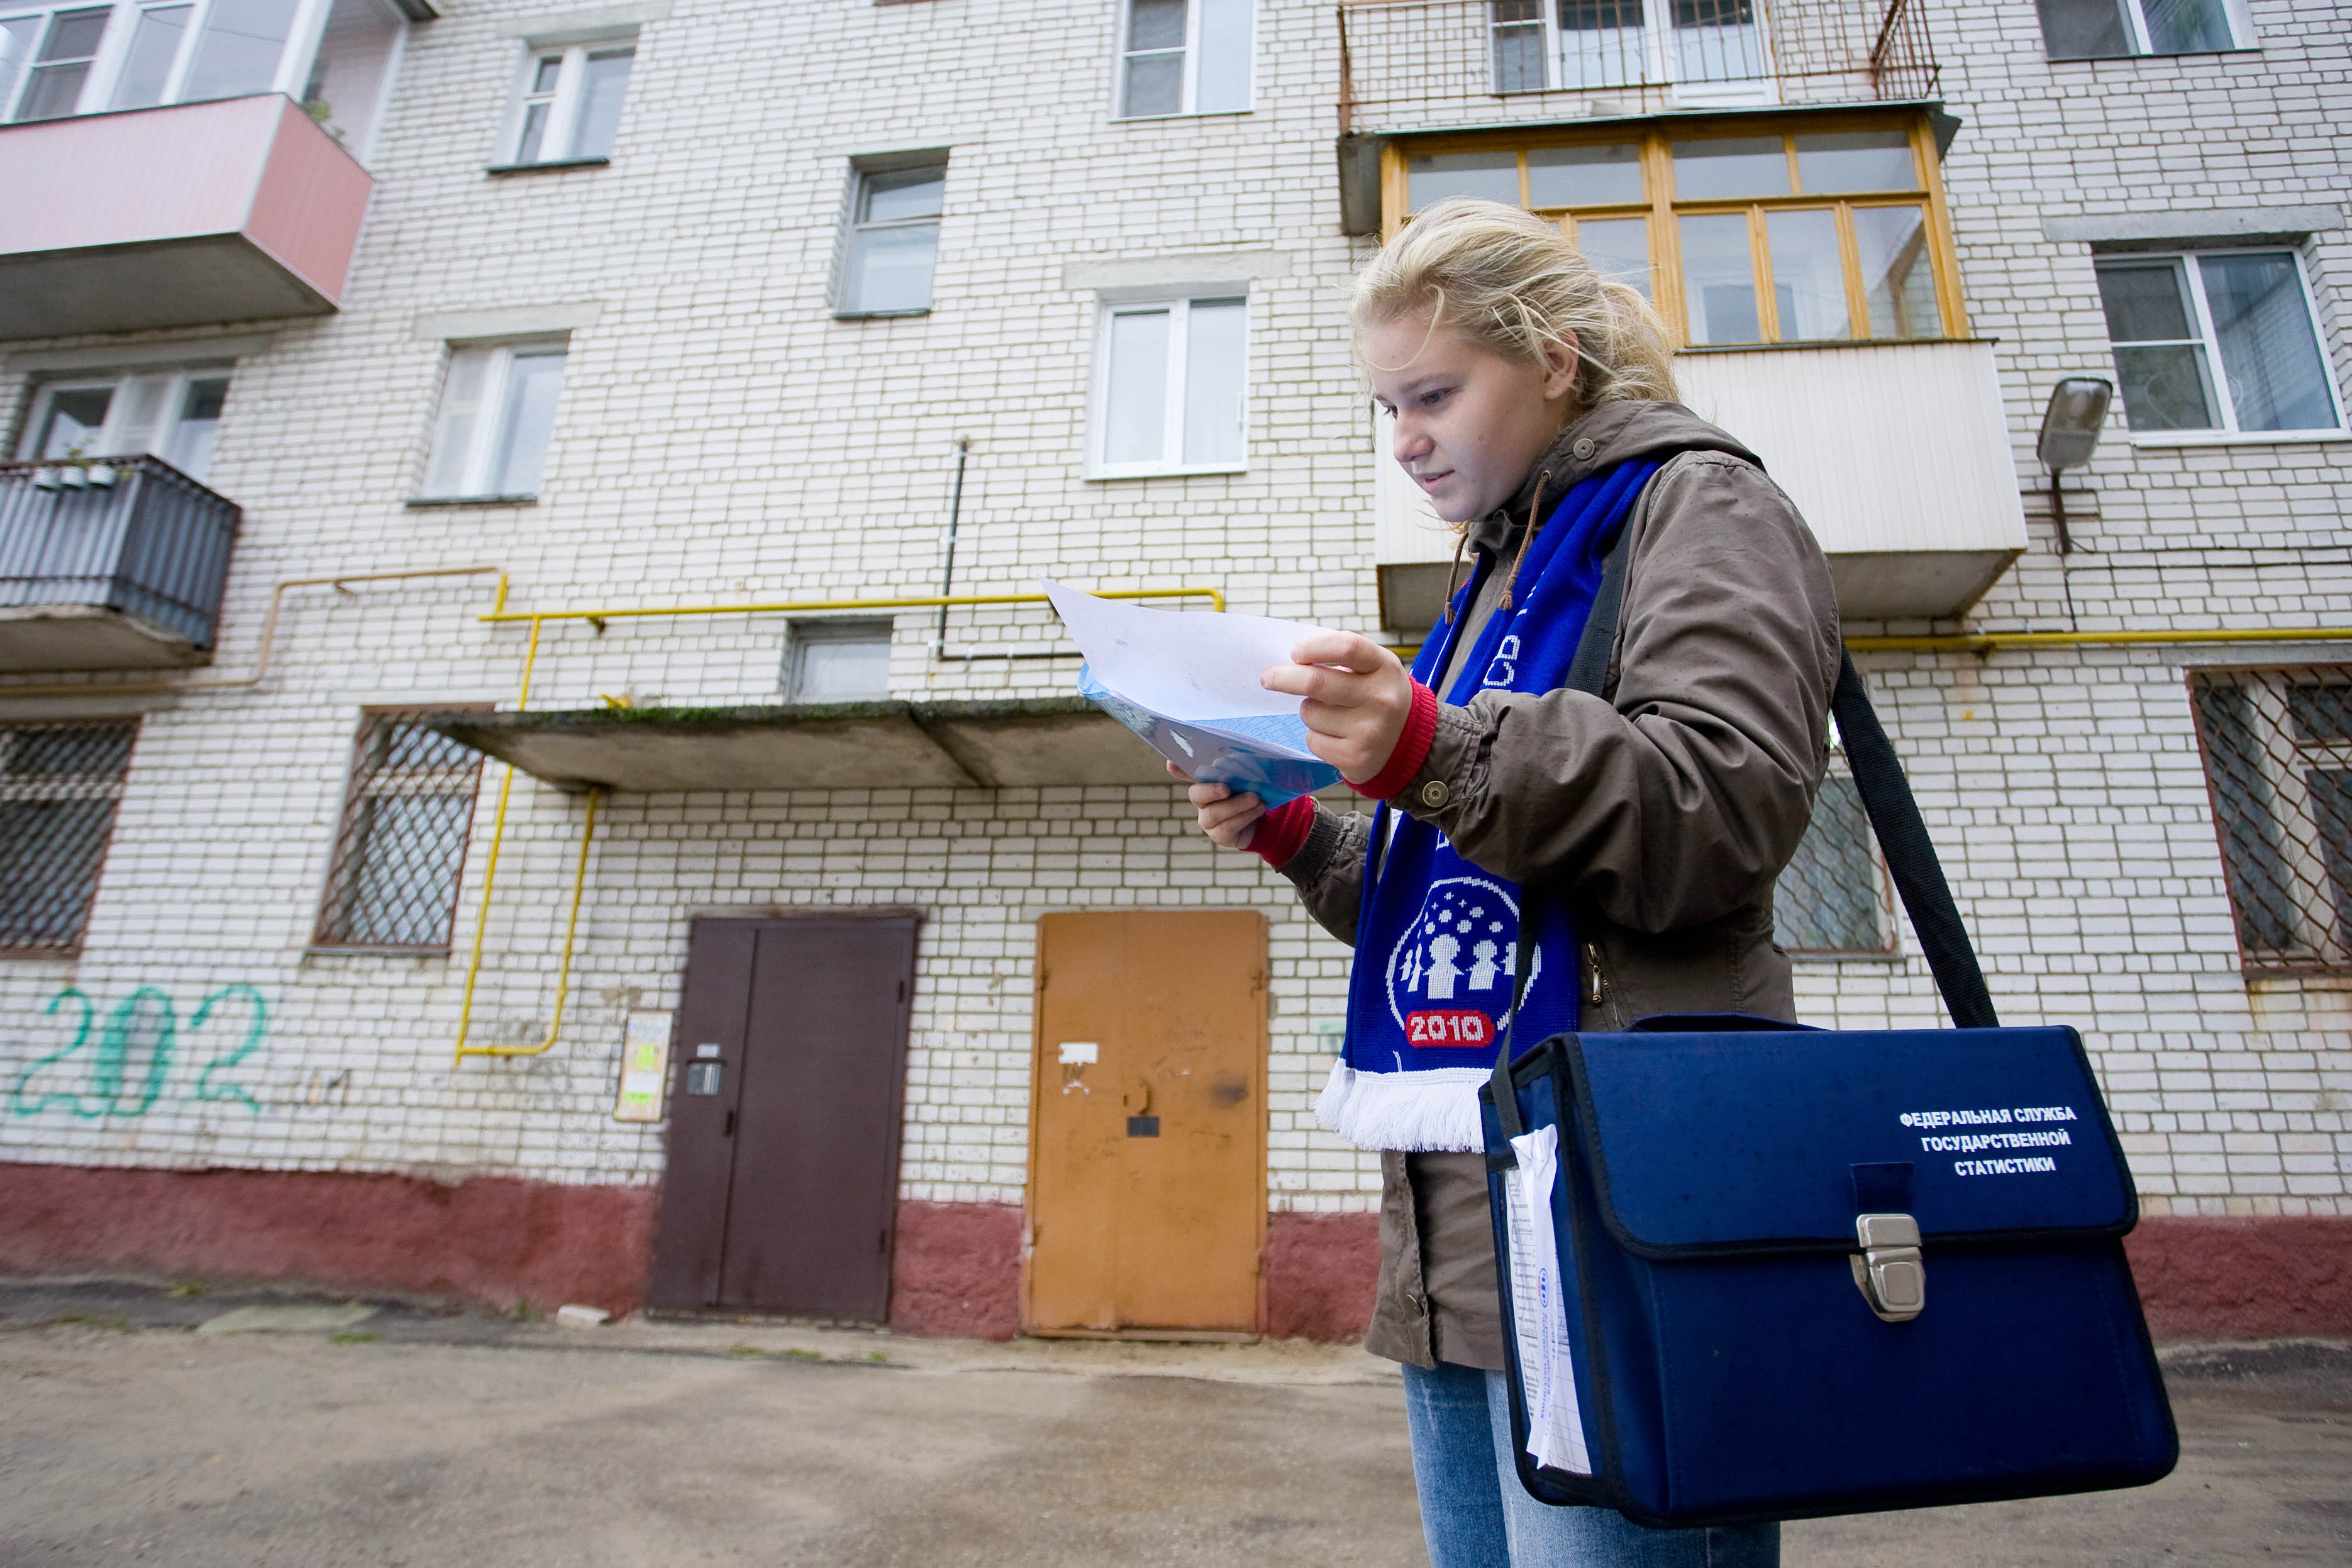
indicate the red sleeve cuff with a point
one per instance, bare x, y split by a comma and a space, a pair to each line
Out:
1411, 748
1281, 832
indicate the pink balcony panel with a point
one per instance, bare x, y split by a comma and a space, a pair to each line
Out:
236, 211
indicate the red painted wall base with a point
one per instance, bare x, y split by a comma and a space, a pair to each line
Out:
492, 1238
956, 1266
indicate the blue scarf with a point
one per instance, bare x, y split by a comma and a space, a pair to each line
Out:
1437, 938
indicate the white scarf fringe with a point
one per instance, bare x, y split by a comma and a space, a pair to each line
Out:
1415, 1113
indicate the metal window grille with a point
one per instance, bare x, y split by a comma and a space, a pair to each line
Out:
2278, 768
1834, 897
60, 784
401, 844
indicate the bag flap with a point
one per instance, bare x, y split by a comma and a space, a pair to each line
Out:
1709, 1142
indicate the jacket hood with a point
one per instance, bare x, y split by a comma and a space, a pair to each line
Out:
1608, 435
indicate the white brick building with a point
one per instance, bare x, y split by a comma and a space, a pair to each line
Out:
630, 303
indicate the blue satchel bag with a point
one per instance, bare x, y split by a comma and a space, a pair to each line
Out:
1792, 1272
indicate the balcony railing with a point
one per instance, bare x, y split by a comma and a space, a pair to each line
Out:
1419, 65
109, 563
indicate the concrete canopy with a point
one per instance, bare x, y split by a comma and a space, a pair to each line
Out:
835, 746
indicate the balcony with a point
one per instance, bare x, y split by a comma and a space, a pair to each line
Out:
1897, 453
110, 564
1428, 64
991, 744
238, 210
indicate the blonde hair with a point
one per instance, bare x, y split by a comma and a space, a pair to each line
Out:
1515, 285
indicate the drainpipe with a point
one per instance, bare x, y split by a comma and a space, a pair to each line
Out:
955, 515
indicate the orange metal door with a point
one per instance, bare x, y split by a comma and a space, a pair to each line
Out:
1147, 1193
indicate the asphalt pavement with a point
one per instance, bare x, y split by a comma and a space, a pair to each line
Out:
194, 1426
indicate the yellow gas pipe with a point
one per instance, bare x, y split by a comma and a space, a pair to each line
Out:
499, 613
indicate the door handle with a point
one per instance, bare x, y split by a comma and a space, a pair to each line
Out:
729, 1129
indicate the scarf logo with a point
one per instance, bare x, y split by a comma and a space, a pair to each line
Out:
1450, 976
1505, 669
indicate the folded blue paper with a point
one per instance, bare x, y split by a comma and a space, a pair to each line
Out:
1262, 755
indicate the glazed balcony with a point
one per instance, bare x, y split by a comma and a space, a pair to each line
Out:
1426, 64
242, 209
110, 564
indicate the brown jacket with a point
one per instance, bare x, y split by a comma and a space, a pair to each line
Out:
1663, 811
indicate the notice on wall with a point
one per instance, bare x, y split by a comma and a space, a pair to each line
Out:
645, 1066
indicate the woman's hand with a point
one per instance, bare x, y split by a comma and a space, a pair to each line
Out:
1228, 819
1357, 697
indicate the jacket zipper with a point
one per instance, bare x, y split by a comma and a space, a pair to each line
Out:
1596, 988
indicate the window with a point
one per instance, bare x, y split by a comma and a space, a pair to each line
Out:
1829, 234
2104, 29
136, 54
45, 59
894, 241
497, 412
60, 784
1834, 897
1168, 387
2278, 768
402, 841
1187, 56
174, 414
1712, 51
2218, 341
567, 106
837, 660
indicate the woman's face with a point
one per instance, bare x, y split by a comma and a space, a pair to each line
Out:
1469, 423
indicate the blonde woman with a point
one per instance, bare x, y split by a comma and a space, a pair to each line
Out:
1642, 829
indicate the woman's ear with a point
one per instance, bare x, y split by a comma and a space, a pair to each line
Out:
1560, 370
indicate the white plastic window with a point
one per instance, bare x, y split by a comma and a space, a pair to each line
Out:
57, 60
567, 105
837, 660
1170, 387
498, 414
2218, 342
1709, 51
1186, 56
171, 414
2107, 29
894, 241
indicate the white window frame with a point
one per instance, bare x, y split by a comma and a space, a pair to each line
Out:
861, 173
1179, 306
2229, 434
1191, 93
2235, 12
99, 88
1659, 58
558, 146
803, 635
120, 435
488, 432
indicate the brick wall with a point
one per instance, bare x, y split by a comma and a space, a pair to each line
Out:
722, 436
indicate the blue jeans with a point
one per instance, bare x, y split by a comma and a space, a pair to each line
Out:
1476, 1514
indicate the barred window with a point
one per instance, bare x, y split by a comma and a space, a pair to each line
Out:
60, 784
1833, 897
402, 839
2278, 768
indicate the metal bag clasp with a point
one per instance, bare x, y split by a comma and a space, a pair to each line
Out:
1889, 1270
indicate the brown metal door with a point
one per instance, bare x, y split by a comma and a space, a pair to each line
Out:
784, 1163
1147, 1193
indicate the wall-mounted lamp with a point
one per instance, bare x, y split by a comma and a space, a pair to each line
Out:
2070, 429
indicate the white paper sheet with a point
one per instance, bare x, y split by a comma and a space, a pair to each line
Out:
1540, 1307
1183, 667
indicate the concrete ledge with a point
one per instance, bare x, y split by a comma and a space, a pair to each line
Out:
2126, 230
